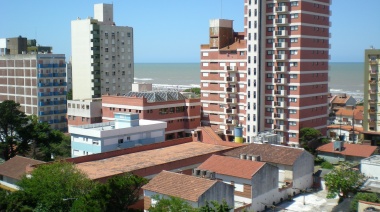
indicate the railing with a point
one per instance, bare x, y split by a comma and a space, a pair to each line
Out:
59, 74
59, 83
58, 93
45, 94
40, 84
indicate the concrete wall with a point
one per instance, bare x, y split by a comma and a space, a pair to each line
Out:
218, 192
331, 157
370, 170
303, 170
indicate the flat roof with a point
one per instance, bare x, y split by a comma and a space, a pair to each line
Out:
130, 162
374, 159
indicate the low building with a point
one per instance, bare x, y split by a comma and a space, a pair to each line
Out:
181, 114
296, 165
126, 131
255, 182
194, 190
340, 100
84, 111
338, 151
12, 171
370, 167
364, 206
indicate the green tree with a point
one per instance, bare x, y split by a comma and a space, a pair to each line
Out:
171, 204
69, 95
215, 207
12, 121
197, 91
308, 134
343, 179
52, 187
117, 194
369, 197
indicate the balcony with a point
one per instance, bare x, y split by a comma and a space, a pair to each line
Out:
280, 45
59, 83
372, 91
60, 111
372, 111
280, 21
281, 9
40, 75
373, 71
373, 61
40, 94
230, 101
59, 93
280, 127
279, 57
278, 116
372, 101
230, 79
47, 84
59, 74
230, 68
279, 92
281, 33
230, 122
229, 111
278, 104
279, 68
60, 102
47, 103
279, 80
372, 82
230, 90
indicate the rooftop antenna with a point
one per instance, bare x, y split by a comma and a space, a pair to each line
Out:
221, 8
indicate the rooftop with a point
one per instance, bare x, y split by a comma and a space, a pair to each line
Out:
357, 112
232, 166
179, 185
374, 159
340, 99
104, 126
16, 167
158, 96
349, 149
142, 160
269, 153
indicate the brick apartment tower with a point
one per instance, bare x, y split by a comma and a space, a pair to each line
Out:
287, 45
223, 78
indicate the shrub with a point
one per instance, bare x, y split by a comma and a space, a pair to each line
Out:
327, 165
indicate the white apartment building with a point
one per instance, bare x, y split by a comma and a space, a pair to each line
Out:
37, 82
102, 55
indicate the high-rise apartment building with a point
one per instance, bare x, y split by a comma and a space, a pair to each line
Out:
102, 55
371, 121
37, 82
286, 62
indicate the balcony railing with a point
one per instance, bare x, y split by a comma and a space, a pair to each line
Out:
46, 84
45, 94
45, 75
58, 93
281, 9
59, 74
59, 83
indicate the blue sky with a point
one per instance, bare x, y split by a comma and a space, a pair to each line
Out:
171, 31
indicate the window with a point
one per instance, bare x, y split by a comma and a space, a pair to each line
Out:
293, 52
293, 40
291, 111
270, 40
292, 100
294, 15
270, 98
270, 29
294, 28
269, 64
271, 17
270, 87
128, 34
120, 141
269, 121
270, 5
295, 64
270, 52
269, 109
293, 88
294, 3
270, 75
292, 135
293, 76
292, 123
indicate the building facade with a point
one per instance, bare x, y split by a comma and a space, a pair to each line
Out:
102, 55
126, 131
37, 82
286, 63
85, 111
181, 114
371, 121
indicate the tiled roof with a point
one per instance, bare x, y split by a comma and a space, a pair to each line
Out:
179, 185
269, 153
232, 166
16, 167
349, 149
346, 128
210, 137
158, 96
358, 113
341, 99
142, 160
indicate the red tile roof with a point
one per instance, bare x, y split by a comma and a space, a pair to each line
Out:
341, 99
232, 166
210, 137
358, 130
16, 167
349, 149
358, 113
179, 185
269, 153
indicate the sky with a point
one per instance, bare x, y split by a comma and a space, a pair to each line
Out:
171, 31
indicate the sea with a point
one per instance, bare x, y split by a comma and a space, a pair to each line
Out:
343, 77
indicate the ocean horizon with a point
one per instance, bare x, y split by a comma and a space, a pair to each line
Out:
344, 77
